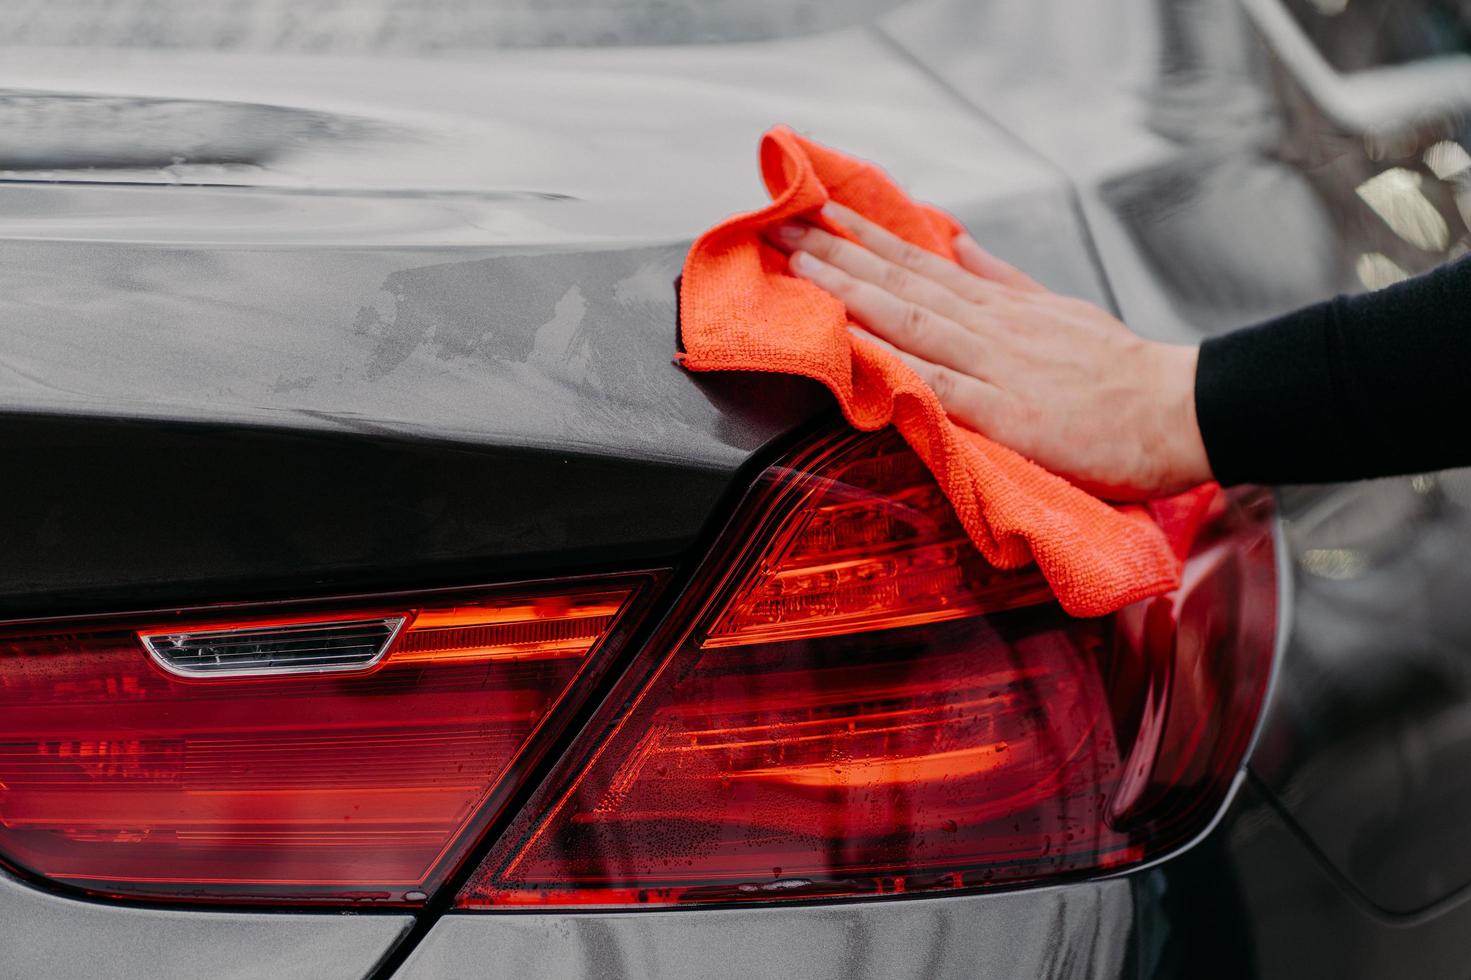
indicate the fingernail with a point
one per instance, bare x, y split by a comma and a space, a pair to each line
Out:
790, 234
832, 211
802, 263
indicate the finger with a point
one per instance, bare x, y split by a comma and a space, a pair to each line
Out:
885, 243
859, 262
976, 259
906, 325
973, 402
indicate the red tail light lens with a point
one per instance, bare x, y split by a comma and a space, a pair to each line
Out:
864, 707
345, 755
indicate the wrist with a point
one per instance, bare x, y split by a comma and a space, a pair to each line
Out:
1186, 461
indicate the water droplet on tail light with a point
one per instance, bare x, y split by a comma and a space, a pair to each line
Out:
858, 699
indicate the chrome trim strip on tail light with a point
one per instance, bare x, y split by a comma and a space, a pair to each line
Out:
323, 647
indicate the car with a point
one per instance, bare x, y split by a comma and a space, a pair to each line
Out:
381, 601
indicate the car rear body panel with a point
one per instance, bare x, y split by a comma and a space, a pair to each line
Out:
418, 317
1085, 931
408, 322
541, 313
50, 936
117, 514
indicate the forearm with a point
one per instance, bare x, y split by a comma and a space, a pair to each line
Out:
1356, 387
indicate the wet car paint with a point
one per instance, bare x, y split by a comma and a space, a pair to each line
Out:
529, 309
1080, 931
49, 936
1368, 748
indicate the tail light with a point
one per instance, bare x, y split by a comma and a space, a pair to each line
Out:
347, 754
847, 700
858, 704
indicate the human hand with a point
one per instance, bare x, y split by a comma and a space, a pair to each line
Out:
1057, 379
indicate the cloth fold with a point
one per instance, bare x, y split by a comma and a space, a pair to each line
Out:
741, 310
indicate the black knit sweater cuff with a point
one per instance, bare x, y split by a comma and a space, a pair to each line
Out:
1264, 400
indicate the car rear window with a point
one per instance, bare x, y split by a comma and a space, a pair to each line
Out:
417, 26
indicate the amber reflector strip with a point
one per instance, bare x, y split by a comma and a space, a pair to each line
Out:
122, 778
564, 627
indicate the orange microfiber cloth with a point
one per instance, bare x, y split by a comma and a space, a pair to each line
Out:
741, 310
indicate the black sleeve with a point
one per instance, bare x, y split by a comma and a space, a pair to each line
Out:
1357, 387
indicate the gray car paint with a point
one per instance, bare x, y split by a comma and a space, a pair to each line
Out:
1083, 931
1272, 909
45, 936
423, 247
477, 250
